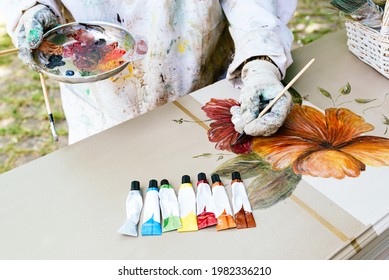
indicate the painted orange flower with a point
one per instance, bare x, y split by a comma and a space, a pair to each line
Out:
222, 130
323, 145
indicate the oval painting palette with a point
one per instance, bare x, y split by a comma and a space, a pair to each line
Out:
87, 52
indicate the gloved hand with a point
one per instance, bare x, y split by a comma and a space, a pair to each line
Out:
261, 84
32, 25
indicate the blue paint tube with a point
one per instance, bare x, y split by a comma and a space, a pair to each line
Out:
151, 214
134, 204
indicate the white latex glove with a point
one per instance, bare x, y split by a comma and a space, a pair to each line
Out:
32, 25
261, 84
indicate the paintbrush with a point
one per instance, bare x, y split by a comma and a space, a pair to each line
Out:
267, 108
45, 95
48, 108
9, 51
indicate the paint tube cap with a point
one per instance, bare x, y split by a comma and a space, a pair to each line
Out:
236, 175
135, 186
202, 177
185, 179
215, 178
153, 184
164, 182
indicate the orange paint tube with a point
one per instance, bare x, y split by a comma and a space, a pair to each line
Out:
240, 203
221, 205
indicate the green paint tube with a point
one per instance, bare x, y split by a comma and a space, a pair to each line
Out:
169, 207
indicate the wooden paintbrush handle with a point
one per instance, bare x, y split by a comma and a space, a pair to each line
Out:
286, 88
15, 50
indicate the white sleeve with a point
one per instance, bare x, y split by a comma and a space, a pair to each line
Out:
259, 27
16, 8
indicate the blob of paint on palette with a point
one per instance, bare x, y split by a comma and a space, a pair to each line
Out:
81, 52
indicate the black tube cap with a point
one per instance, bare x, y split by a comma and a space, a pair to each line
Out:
236, 175
215, 178
185, 179
153, 184
135, 186
164, 182
202, 177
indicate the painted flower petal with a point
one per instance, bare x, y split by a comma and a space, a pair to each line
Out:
281, 151
222, 131
305, 122
328, 163
224, 134
217, 109
371, 150
344, 125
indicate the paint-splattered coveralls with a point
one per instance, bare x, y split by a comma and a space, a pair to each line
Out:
189, 47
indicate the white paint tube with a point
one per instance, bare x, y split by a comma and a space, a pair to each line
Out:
134, 204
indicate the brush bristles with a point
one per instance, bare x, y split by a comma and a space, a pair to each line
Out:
347, 6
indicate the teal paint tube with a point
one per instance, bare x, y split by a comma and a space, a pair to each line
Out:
152, 216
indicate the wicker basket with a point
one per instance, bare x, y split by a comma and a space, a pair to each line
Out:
369, 45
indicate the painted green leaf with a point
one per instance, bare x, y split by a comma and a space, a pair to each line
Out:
346, 89
324, 92
248, 165
270, 187
296, 96
386, 120
363, 100
205, 155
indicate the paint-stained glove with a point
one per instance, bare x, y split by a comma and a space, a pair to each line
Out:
32, 25
261, 84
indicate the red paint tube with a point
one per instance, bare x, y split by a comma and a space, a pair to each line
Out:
205, 212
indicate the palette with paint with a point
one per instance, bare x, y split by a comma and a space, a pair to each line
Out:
87, 52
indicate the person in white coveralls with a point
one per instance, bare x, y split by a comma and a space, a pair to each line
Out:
190, 45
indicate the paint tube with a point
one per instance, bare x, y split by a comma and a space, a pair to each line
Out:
205, 213
187, 204
222, 206
134, 204
169, 207
152, 216
240, 203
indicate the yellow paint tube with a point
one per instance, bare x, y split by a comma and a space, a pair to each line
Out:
187, 205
